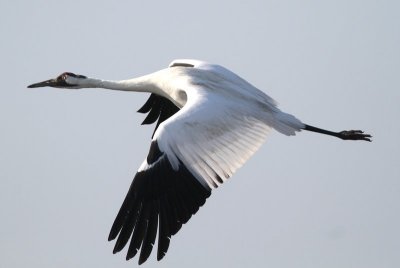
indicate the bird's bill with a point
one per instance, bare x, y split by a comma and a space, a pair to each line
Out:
47, 83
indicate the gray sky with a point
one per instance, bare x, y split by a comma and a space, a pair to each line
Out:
68, 157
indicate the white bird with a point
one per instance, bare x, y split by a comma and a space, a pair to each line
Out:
210, 121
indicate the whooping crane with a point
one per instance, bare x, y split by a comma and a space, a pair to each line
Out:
209, 122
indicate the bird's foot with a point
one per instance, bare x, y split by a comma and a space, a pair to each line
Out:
354, 135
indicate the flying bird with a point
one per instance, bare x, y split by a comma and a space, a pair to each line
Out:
209, 121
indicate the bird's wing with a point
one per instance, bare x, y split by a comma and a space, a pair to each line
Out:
192, 152
212, 136
160, 198
158, 108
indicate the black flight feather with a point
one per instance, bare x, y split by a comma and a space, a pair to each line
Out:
160, 199
157, 107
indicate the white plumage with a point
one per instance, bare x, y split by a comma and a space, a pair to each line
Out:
218, 130
210, 122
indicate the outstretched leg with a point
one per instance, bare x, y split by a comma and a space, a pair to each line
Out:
344, 135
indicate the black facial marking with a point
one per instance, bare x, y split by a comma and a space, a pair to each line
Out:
64, 75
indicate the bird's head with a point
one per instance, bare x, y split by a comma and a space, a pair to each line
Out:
64, 80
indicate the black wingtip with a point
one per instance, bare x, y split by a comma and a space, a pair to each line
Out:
130, 255
142, 259
118, 247
159, 199
148, 104
159, 109
112, 236
160, 256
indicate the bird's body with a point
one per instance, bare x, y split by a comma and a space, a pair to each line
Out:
210, 121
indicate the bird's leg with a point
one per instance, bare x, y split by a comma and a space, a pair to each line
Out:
344, 135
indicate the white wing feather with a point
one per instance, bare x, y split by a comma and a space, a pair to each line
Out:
212, 137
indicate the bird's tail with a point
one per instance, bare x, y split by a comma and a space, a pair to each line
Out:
286, 123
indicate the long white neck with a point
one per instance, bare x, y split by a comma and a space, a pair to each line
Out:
140, 84
158, 83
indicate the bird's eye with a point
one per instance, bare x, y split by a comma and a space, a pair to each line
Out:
62, 77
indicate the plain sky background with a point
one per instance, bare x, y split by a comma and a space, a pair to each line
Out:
68, 157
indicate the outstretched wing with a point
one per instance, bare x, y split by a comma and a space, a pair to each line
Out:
193, 151
160, 197
212, 135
